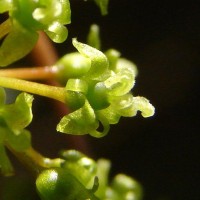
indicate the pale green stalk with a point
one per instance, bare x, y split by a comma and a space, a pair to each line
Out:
34, 160
57, 93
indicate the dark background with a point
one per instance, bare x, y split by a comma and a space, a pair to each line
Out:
163, 39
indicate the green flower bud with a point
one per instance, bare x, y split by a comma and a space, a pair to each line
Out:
125, 187
81, 166
59, 184
98, 96
73, 65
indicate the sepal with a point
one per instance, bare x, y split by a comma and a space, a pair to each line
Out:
19, 114
99, 62
79, 122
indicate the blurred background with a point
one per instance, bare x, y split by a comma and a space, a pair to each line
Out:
163, 39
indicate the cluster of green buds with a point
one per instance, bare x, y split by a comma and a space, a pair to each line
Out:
80, 177
26, 18
98, 90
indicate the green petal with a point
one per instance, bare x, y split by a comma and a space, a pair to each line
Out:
57, 32
79, 122
47, 11
77, 85
99, 62
125, 187
54, 15
142, 104
128, 106
16, 45
19, 142
111, 114
124, 106
19, 114
120, 83
105, 126
5, 6
125, 64
122, 79
65, 16
53, 11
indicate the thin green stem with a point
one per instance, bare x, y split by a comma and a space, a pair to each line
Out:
34, 161
57, 93
5, 28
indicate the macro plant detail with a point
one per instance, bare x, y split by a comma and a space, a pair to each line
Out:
105, 92
94, 85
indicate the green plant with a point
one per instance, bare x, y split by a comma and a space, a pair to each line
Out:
94, 85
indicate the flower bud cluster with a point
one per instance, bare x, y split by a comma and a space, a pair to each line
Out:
100, 84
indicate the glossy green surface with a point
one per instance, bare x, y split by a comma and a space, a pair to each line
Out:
58, 184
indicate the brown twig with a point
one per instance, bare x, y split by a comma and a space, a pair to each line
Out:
30, 73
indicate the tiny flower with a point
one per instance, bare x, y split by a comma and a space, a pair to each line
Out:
103, 90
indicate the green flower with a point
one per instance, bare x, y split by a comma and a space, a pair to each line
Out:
26, 18
102, 89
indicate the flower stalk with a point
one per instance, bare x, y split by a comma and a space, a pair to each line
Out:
57, 93
34, 160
